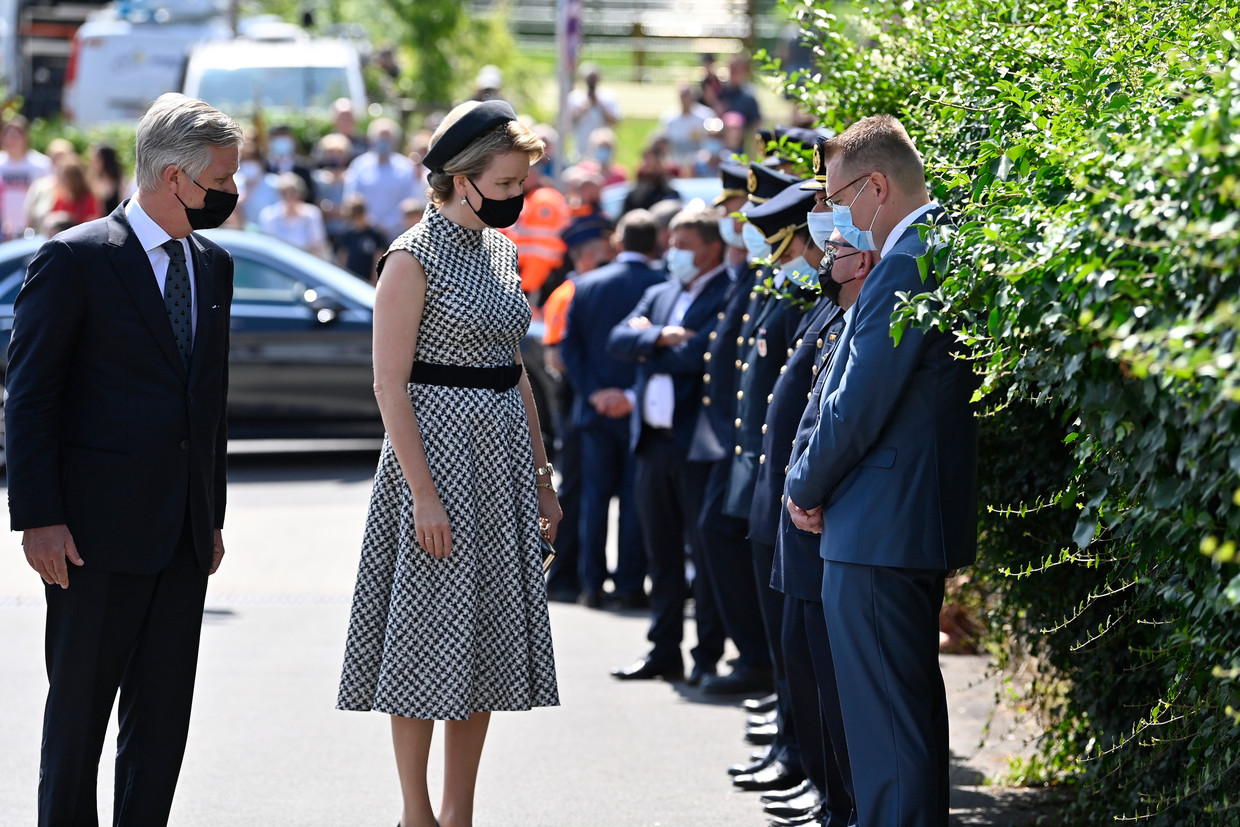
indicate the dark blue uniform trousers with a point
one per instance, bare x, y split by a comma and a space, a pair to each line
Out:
884, 634
607, 467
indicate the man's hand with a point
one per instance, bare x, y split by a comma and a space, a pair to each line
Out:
672, 335
611, 403
46, 549
217, 551
639, 323
810, 520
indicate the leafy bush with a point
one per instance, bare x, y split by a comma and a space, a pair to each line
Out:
1090, 156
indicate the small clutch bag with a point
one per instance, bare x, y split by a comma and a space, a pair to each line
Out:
548, 551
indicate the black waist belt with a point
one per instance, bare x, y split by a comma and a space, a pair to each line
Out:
465, 376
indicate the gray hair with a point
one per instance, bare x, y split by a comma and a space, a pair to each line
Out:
704, 222
180, 131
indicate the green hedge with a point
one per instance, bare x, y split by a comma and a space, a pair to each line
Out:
1090, 154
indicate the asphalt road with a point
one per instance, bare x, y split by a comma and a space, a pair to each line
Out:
268, 748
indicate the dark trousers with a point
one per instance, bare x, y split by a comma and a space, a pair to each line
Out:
607, 467
138, 634
883, 626
770, 604
669, 498
815, 706
562, 577
726, 559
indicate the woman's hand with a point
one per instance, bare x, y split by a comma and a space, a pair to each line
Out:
430, 520
549, 513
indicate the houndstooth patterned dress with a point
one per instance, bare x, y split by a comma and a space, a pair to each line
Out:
441, 639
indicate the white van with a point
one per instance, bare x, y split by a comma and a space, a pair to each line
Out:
286, 75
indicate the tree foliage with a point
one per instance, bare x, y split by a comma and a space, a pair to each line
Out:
1090, 154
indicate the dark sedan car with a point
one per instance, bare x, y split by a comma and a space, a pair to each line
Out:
299, 364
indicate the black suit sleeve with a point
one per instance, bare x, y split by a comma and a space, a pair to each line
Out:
224, 279
47, 318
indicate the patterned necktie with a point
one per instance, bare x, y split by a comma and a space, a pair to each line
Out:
177, 297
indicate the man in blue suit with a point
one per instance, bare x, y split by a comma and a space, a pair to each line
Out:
667, 334
889, 476
601, 410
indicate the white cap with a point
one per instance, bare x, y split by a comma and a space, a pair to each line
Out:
489, 77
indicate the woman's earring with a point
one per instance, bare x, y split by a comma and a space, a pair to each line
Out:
463, 201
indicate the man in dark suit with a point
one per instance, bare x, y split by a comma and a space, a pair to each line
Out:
601, 411
889, 476
666, 334
116, 443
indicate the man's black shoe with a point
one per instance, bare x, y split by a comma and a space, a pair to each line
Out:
699, 674
761, 735
634, 601
647, 669
793, 807
752, 767
760, 706
778, 776
741, 682
761, 720
591, 599
788, 795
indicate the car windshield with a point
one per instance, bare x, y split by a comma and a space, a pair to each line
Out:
284, 87
244, 245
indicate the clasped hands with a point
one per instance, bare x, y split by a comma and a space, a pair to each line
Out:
810, 520
670, 336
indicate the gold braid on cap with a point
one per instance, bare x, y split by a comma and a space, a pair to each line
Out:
780, 241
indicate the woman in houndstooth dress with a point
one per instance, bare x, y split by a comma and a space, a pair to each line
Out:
449, 618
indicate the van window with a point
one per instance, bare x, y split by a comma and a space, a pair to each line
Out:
285, 87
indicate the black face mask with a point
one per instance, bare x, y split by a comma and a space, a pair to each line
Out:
215, 209
830, 287
497, 213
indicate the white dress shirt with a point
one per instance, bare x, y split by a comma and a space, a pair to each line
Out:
152, 237
659, 401
904, 223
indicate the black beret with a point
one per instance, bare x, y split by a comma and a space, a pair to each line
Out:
735, 178
786, 210
461, 134
766, 182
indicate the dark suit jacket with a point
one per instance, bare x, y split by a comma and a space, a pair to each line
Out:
108, 430
893, 458
682, 362
603, 299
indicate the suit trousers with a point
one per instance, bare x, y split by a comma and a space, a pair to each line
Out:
729, 570
815, 706
607, 471
562, 577
770, 604
138, 634
883, 627
669, 498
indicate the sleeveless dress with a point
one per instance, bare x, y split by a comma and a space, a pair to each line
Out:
441, 639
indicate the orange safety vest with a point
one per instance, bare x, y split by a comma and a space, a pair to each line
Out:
555, 313
540, 250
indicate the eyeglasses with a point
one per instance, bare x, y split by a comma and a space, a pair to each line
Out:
829, 200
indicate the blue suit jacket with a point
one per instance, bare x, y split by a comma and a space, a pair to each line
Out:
109, 431
683, 362
893, 458
604, 297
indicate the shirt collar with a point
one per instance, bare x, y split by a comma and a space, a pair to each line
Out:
629, 256
150, 235
904, 223
699, 285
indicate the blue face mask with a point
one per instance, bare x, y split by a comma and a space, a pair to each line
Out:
727, 229
282, 146
681, 265
861, 239
799, 272
383, 146
755, 242
821, 225
603, 154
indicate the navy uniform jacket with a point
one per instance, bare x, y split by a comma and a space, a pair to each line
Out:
712, 431
814, 341
762, 355
797, 567
110, 432
893, 458
603, 298
682, 362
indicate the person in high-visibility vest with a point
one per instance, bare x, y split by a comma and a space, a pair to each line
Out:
540, 249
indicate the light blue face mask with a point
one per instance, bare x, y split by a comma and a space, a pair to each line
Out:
861, 239
799, 272
755, 242
821, 225
727, 229
680, 265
